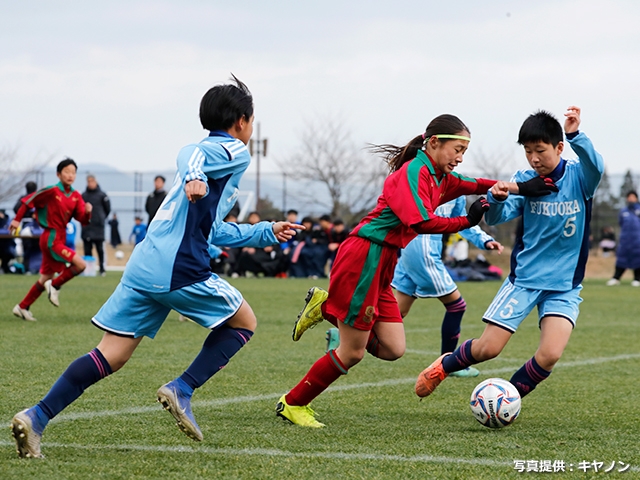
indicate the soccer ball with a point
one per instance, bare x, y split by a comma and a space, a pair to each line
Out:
495, 403
119, 254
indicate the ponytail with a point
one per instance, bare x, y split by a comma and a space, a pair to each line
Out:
396, 156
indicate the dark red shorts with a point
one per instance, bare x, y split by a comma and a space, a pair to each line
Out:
360, 291
55, 254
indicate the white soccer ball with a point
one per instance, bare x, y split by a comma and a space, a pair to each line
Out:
119, 254
495, 403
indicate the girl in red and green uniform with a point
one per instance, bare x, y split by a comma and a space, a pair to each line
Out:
55, 206
360, 300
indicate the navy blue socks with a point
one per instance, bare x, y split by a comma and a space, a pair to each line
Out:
451, 324
79, 375
460, 359
528, 377
221, 344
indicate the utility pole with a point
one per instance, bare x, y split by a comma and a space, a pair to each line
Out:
259, 147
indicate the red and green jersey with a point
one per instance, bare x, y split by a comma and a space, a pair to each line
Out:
409, 197
55, 207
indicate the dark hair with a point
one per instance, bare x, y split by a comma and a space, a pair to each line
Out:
540, 127
31, 187
295, 212
160, 177
338, 221
65, 163
326, 217
223, 105
397, 156
632, 192
307, 220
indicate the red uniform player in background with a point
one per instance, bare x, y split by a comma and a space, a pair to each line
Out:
55, 206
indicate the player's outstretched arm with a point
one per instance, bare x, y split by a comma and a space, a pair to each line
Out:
285, 231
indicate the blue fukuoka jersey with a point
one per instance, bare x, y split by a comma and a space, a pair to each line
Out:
552, 240
175, 251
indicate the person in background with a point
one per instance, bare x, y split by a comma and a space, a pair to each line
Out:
628, 253
55, 206
115, 239
139, 231
155, 198
30, 246
337, 235
607, 240
93, 234
7, 245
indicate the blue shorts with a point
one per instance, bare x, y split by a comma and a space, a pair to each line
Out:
512, 304
422, 277
134, 313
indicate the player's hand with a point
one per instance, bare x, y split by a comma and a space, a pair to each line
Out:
13, 226
500, 190
536, 187
285, 231
493, 245
476, 211
572, 122
195, 190
88, 207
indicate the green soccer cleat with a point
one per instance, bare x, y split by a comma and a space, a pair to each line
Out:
311, 314
466, 372
302, 415
24, 430
179, 406
333, 339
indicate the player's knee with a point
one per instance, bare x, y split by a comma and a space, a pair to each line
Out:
548, 359
394, 352
350, 357
244, 318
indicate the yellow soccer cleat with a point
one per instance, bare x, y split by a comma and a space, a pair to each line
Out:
302, 415
311, 314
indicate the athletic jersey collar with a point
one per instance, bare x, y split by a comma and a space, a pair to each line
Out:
219, 133
430, 164
558, 171
63, 190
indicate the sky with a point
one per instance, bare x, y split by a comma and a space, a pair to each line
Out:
119, 83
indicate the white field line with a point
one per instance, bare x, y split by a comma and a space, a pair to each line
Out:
219, 402
271, 452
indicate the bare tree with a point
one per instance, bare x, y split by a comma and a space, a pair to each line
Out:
15, 172
328, 156
499, 165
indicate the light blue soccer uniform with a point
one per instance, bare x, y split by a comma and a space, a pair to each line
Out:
169, 269
552, 241
420, 271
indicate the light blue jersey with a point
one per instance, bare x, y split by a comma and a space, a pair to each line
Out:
420, 271
175, 253
551, 247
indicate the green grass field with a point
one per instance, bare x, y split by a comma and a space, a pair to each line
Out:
376, 428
